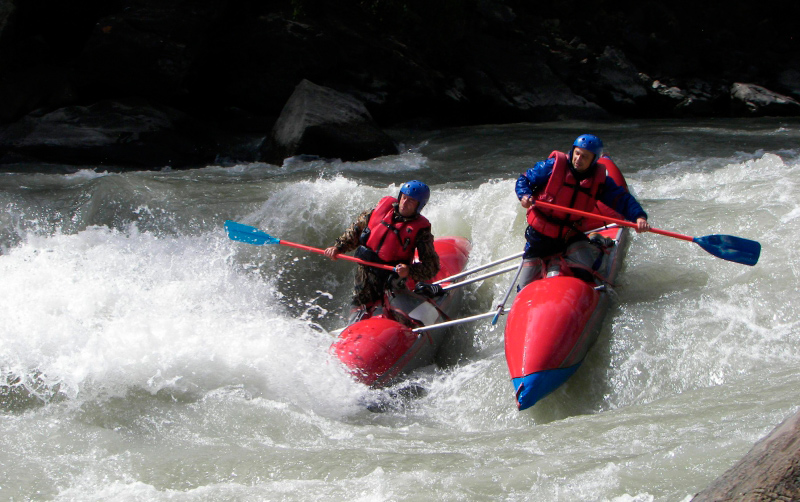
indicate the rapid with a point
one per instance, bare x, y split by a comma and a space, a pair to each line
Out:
145, 356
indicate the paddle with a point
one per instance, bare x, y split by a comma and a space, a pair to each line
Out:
251, 235
727, 247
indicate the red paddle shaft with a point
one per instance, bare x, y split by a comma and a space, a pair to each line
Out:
599, 217
340, 256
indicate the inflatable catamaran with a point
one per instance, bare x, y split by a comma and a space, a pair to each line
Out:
404, 332
554, 321
551, 325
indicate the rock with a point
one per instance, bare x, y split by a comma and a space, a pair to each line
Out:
496, 11
235, 64
258, 60
546, 97
697, 98
7, 8
115, 133
789, 81
756, 101
703, 99
672, 94
148, 48
31, 88
321, 121
618, 84
769, 472
502, 86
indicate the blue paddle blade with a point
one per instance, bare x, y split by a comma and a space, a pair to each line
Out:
731, 248
248, 234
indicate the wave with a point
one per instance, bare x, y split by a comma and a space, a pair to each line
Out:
139, 287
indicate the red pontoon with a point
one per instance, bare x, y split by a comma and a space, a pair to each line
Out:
381, 349
554, 321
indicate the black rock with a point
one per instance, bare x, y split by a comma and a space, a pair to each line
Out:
321, 121
111, 133
755, 101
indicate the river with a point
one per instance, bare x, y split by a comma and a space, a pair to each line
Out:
145, 356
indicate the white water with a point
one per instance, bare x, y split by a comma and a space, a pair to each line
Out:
147, 357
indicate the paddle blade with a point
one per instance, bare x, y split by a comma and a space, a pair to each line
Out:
731, 248
251, 235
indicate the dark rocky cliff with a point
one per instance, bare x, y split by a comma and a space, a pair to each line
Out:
149, 83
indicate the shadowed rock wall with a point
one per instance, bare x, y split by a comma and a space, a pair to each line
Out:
231, 65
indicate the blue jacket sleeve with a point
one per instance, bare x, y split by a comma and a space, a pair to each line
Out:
535, 177
618, 199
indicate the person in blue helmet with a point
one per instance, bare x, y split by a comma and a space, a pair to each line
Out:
390, 233
572, 180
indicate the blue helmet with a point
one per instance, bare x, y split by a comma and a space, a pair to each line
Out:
416, 190
589, 142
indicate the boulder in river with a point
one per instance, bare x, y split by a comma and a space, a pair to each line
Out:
756, 101
320, 121
769, 472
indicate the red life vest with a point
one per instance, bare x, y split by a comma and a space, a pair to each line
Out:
393, 241
564, 189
